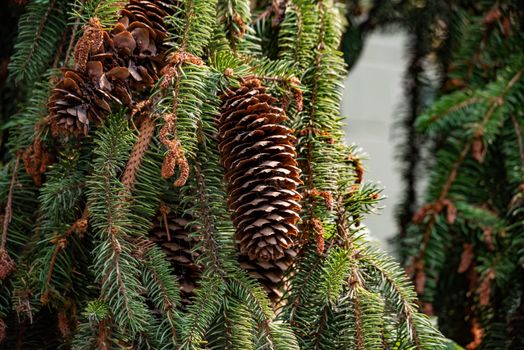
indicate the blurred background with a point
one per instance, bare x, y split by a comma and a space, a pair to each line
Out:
435, 98
371, 122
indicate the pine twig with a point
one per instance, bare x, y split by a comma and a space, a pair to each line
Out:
359, 332
209, 226
355, 281
71, 42
172, 75
7, 265
468, 102
8, 212
59, 51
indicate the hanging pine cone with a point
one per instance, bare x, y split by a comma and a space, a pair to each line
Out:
75, 103
172, 234
136, 42
262, 175
110, 67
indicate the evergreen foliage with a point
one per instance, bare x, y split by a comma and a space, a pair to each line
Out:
79, 207
39, 32
466, 55
462, 246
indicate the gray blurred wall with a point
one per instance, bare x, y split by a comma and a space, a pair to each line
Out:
372, 94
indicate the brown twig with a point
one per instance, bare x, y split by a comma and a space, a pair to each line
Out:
164, 211
8, 212
359, 332
67, 56
72, 39
60, 49
103, 335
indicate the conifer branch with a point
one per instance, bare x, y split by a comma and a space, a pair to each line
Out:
495, 103
71, 43
299, 289
359, 332
321, 327
466, 103
40, 30
163, 290
209, 227
38, 34
60, 242
106, 11
115, 267
195, 53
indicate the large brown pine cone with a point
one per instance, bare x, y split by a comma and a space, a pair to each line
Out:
110, 67
178, 245
262, 176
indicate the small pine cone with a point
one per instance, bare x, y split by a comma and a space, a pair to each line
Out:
150, 14
36, 160
74, 104
178, 245
138, 36
132, 49
262, 177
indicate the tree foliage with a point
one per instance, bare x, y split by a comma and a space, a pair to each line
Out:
462, 246
79, 207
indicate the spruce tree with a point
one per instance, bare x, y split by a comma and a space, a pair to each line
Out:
464, 246
177, 180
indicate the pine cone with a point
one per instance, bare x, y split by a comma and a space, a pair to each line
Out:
110, 67
262, 177
136, 41
178, 245
75, 103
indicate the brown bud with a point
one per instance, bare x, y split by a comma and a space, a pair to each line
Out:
485, 287
467, 258
7, 265
3, 328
